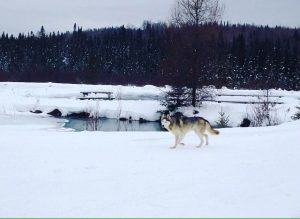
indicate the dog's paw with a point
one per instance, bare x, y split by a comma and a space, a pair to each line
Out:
182, 144
172, 147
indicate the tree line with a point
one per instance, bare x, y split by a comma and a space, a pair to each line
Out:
219, 54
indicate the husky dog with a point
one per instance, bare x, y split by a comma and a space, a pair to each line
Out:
181, 125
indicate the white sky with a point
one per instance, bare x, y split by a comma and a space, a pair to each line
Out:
26, 15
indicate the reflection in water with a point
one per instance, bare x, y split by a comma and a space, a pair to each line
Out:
110, 125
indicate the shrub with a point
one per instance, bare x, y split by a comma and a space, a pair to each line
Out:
223, 120
296, 116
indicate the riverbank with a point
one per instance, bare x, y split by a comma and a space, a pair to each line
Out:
134, 103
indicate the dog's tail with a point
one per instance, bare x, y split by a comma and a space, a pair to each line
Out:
211, 130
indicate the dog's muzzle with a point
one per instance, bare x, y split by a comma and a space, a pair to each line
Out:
164, 124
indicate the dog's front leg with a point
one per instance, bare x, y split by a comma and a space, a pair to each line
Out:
180, 139
176, 142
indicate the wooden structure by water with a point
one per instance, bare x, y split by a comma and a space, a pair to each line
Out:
96, 95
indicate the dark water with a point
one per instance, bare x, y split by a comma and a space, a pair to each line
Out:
111, 125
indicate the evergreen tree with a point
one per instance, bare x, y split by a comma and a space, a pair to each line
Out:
236, 56
223, 121
177, 97
297, 114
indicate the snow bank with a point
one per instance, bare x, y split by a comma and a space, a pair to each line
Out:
135, 102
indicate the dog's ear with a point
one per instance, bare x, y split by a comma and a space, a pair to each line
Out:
168, 116
162, 116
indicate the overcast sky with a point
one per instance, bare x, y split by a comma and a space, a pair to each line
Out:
26, 15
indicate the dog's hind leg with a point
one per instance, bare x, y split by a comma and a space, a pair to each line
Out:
206, 138
201, 139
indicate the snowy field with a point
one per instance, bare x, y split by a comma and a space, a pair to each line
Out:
49, 171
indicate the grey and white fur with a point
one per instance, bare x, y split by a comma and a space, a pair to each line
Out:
181, 125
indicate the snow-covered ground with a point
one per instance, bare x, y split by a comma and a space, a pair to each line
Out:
134, 102
49, 171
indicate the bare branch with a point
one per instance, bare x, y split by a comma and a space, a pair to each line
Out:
196, 12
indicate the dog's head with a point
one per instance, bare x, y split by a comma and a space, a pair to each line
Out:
165, 121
